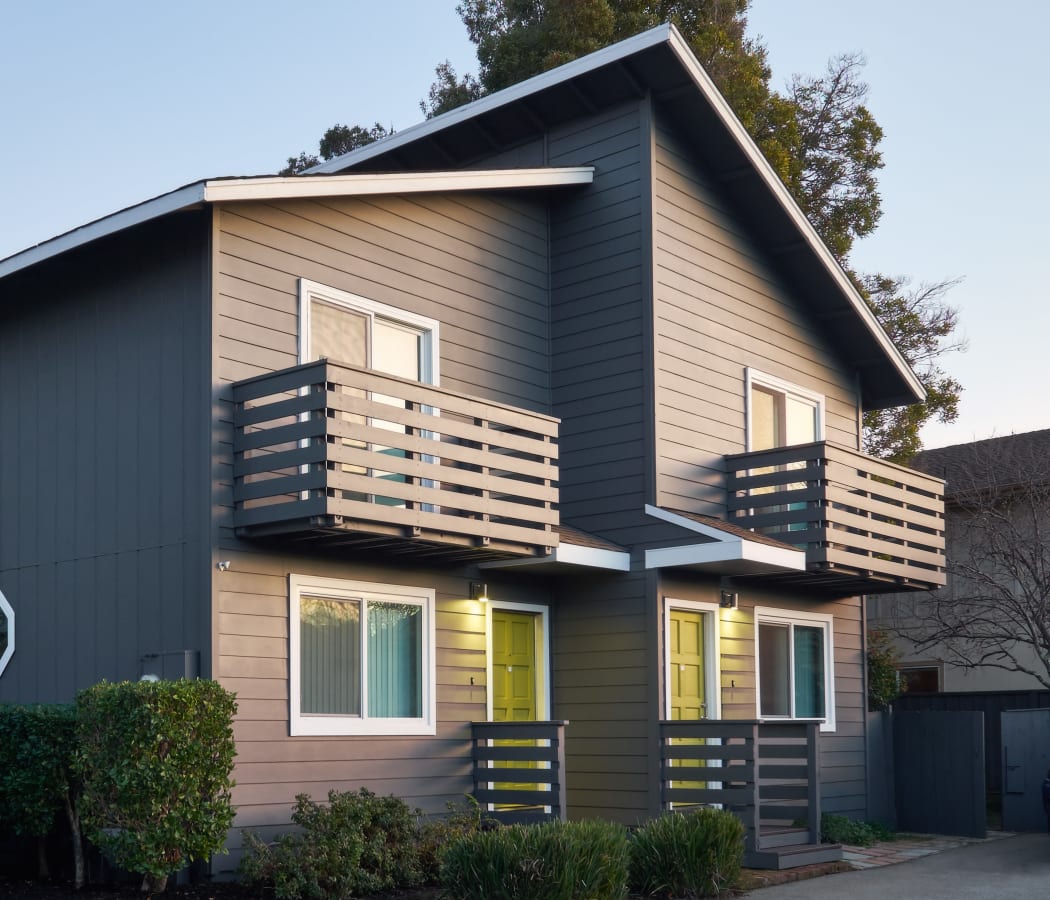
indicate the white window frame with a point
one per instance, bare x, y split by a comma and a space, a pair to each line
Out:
542, 613
364, 591
754, 378
429, 356
797, 617
712, 653
8, 611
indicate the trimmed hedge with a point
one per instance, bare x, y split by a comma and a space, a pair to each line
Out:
156, 760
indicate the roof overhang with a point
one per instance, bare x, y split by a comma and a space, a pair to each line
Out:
299, 187
659, 62
567, 557
724, 553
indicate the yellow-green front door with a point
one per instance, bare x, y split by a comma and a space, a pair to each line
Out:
513, 666
686, 675
686, 642
514, 670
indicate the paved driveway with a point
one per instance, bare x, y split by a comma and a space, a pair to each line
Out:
1013, 868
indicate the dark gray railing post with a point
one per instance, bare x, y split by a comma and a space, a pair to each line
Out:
753, 837
813, 780
562, 801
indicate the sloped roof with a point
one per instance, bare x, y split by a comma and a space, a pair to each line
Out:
659, 62
275, 187
999, 463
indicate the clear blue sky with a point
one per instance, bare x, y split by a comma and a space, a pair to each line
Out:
108, 103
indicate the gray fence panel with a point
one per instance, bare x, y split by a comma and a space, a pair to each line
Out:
1025, 759
939, 772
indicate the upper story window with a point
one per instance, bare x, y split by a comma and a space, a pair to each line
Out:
361, 657
346, 328
796, 678
781, 414
7, 632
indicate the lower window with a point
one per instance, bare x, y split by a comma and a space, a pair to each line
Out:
361, 657
795, 671
7, 633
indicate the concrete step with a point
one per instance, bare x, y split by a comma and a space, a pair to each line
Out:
792, 857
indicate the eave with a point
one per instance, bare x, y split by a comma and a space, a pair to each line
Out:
226, 190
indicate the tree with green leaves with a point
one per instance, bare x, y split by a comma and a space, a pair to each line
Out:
818, 136
336, 141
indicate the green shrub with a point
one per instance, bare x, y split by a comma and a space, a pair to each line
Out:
36, 779
696, 854
435, 836
155, 759
355, 844
840, 830
553, 861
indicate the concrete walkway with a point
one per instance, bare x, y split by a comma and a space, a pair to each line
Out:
1002, 867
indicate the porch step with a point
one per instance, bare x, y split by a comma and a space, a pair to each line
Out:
784, 837
791, 857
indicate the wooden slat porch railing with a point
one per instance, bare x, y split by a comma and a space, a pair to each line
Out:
326, 447
764, 772
520, 794
869, 525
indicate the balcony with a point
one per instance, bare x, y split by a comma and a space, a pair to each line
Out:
351, 457
866, 525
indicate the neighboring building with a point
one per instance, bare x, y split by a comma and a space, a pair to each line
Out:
997, 494
571, 342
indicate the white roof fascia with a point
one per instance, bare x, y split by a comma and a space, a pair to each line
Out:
278, 188
298, 186
651, 38
763, 555
658, 512
780, 191
572, 555
85, 234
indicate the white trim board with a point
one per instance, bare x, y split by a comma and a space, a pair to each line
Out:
297, 187
571, 555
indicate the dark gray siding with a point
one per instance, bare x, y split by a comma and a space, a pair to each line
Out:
603, 636
599, 302
103, 459
721, 307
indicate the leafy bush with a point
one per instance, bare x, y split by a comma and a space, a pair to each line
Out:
355, 844
553, 861
36, 778
155, 759
884, 684
697, 854
840, 830
435, 836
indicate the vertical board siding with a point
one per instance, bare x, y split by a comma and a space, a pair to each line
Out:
720, 307
598, 301
103, 488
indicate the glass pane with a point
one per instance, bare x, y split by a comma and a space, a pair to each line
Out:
765, 427
338, 334
395, 660
396, 349
774, 670
801, 424
3, 632
330, 656
809, 672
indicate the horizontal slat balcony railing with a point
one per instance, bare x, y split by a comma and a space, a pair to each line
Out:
330, 449
764, 772
866, 524
519, 769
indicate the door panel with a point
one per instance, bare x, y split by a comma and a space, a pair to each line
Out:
686, 677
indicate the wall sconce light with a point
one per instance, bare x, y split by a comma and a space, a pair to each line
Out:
479, 591
729, 600
223, 565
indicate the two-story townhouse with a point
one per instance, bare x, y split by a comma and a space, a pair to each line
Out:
545, 410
